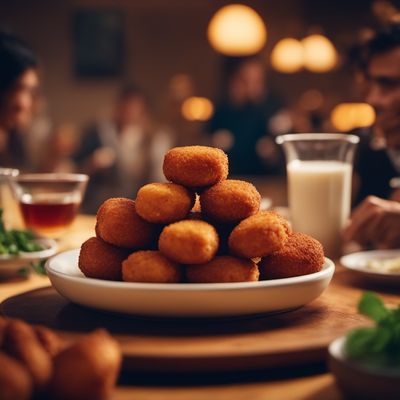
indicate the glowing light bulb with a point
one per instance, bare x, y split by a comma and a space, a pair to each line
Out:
288, 56
319, 53
237, 30
348, 116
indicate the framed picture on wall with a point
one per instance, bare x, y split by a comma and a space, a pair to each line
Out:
98, 42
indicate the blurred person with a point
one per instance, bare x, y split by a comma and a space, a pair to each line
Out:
378, 158
61, 146
376, 220
18, 85
37, 135
241, 122
123, 152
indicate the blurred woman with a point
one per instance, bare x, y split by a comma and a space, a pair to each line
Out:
123, 152
18, 84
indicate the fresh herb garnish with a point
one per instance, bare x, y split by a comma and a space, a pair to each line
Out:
380, 343
13, 241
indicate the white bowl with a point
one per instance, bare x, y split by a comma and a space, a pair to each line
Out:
357, 262
361, 380
12, 264
185, 299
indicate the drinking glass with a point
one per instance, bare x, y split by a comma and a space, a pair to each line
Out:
319, 171
49, 202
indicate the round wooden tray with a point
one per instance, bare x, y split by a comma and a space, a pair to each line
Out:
198, 345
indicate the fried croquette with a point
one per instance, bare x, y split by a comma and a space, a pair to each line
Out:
301, 255
163, 203
20, 341
259, 235
118, 223
230, 201
100, 260
150, 266
15, 382
189, 242
88, 369
195, 166
223, 269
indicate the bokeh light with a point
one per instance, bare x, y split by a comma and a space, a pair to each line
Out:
237, 30
197, 109
288, 56
319, 53
348, 116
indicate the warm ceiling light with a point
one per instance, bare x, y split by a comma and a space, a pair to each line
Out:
288, 56
319, 53
348, 116
197, 109
237, 30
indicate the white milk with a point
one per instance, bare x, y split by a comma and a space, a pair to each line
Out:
319, 200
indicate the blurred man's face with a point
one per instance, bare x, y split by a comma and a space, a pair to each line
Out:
253, 77
17, 106
383, 93
131, 110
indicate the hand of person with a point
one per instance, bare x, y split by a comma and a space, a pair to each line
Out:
375, 221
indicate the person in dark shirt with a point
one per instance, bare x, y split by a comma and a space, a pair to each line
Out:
376, 220
374, 168
18, 84
240, 124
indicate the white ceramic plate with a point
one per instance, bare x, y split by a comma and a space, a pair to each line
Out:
357, 262
12, 264
184, 300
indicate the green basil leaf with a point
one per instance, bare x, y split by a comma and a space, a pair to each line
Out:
372, 306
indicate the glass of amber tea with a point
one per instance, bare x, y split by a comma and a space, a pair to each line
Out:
49, 203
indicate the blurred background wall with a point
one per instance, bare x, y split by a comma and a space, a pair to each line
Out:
163, 38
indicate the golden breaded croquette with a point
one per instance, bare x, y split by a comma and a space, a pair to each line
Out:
189, 242
223, 269
150, 266
100, 260
230, 201
20, 341
119, 224
163, 203
301, 255
88, 369
259, 235
15, 381
195, 166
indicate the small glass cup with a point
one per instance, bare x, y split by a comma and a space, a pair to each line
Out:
319, 169
49, 202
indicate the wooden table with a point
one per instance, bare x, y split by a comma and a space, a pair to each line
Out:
311, 382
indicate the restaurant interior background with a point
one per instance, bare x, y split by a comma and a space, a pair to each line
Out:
89, 49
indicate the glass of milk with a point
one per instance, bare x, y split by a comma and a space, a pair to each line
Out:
319, 169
